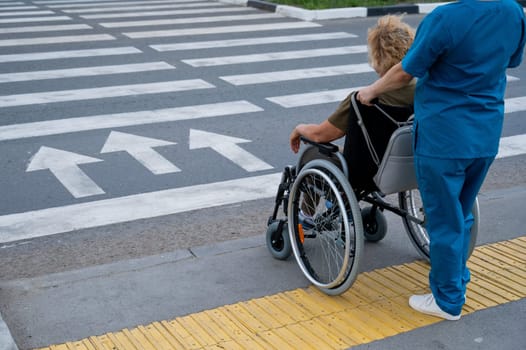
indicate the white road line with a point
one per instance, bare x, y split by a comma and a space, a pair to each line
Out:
251, 41
117, 120
316, 72
10, 8
100, 2
25, 13
56, 40
274, 56
51, 221
311, 98
35, 19
167, 13
60, 27
512, 146
84, 72
105, 3
144, 7
51, 55
329, 96
221, 30
102, 92
515, 104
241, 17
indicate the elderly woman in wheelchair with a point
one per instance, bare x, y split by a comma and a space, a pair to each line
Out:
324, 225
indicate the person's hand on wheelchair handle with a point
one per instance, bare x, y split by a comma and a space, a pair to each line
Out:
365, 96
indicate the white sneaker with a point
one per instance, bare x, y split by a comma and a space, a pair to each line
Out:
426, 304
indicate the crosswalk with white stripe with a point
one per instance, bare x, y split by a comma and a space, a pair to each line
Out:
24, 26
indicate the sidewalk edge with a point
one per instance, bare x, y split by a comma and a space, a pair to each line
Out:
347, 12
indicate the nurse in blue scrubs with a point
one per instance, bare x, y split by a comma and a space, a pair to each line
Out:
460, 56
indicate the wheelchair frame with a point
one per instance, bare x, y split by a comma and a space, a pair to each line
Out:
329, 253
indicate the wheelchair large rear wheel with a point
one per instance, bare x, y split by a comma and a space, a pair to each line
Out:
414, 222
329, 244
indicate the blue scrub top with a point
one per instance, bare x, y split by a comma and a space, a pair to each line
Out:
460, 55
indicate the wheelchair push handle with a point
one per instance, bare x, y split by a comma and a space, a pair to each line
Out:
325, 148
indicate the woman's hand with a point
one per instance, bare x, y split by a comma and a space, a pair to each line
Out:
365, 96
395, 78
295, 140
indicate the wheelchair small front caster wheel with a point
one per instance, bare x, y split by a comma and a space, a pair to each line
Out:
374, 224
278, 240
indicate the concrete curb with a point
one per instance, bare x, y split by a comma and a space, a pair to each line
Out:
349, 12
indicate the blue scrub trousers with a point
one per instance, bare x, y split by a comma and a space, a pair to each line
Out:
448, 188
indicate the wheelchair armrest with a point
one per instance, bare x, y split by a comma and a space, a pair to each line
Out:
325, 148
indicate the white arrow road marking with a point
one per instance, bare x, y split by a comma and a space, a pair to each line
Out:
49, 221
227, 147
64, 165
141, 148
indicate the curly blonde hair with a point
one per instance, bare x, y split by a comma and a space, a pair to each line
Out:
388, 42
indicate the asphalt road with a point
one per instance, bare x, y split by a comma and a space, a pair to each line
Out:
105, 171
115, 155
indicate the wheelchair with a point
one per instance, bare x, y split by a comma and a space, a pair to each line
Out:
328, 247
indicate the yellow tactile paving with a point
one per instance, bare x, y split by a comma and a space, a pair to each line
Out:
374, 308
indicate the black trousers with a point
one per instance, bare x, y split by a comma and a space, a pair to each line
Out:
380, 128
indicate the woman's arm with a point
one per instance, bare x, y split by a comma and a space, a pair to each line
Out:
324, 132
395, 78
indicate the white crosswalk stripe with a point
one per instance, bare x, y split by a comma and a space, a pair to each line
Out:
7, 8
84, 72
118, 120
34, 19
221, 30
56, 40
144, 7
103, 92
61, 3
295, 74
311, 98
124, 24
53, 55
60, 27
515, 104
275, 56
105, 3
50, 221
25, 13
195, 45
330, 96
142, 14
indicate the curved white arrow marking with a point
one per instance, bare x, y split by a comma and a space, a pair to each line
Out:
64, 165
227, 147
141, 148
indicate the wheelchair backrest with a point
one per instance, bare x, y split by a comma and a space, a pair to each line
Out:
396, 172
